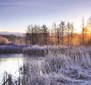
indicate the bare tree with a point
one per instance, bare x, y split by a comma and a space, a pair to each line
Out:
28, 37
72, 32
61, 30
83, 32
45, 34
57, 33
32, 34
89, 22
68, 27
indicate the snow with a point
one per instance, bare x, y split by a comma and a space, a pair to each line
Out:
35, 50
64, 66
60, 66
73, 63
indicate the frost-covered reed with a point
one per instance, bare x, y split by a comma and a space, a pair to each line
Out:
35, 51
11, 48
60, 66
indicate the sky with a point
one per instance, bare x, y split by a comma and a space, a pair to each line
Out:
16, 15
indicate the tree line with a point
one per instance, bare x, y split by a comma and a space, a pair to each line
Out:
59, 34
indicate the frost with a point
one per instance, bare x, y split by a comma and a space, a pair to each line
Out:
60, 65
35, 51
11, 48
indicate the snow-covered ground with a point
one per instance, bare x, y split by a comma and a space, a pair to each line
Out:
62, 66
35, 50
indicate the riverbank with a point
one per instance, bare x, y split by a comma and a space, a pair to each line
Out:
62, 65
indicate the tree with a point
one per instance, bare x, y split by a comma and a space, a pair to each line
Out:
3, 40
28, 35
68, 27
83, 32
61, 30
54, 33
89, 22
57, 33
69, 33
37, 35
45, 34
72, 32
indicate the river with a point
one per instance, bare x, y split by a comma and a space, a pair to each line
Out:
11, 63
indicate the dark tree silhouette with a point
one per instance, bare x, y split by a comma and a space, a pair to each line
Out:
57, 32
72, 33
28, 34
45, 34
69, 33
61, 34
83, 32
61, 30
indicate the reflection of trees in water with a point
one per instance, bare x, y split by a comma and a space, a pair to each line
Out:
7, 79
28, 73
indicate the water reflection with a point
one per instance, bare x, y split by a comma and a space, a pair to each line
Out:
10, 64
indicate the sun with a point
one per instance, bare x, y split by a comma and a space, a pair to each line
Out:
89, 29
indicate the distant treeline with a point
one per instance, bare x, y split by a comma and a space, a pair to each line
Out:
62, 33
59, 34
11, 39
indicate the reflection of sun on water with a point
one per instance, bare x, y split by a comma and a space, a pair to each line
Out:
11, 65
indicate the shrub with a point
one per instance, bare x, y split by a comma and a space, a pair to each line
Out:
3, 41
35, 51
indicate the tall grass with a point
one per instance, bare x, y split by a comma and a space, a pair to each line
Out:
61, 66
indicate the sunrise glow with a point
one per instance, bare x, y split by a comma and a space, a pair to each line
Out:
17, 15
89, 29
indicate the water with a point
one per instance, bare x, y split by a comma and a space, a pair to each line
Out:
11, 63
